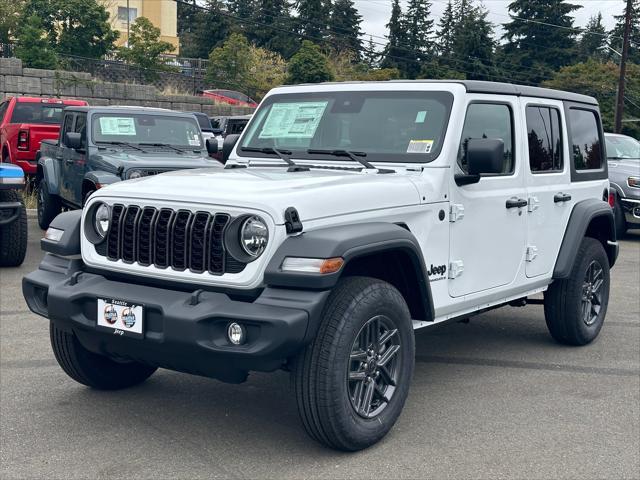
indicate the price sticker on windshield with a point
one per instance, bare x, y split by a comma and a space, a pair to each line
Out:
420, 146
293, 120
117, 126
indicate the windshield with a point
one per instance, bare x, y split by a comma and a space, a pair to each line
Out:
622, 147
146, 128
25, 112
386, 126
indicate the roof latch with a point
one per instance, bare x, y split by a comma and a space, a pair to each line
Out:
292, 220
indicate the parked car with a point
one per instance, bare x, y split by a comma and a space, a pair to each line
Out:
231, 97
13, 216
623, 155
348, 216
205, 127
227, 125
24, 123
120, 143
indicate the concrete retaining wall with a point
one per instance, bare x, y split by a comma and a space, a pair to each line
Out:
16, 80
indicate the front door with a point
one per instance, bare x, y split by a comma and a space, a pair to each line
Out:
488, 242
79, 165
66, 159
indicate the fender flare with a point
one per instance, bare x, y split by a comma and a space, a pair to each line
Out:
349, 242
51, 173
583, 213
101, 178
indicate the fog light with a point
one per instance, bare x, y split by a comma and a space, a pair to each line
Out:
236, 333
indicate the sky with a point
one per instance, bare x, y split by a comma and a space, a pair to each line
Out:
375, 13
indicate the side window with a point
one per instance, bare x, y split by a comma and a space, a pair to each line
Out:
3, 109
488, 120
545, 139
585, 138
67, 127
81, 128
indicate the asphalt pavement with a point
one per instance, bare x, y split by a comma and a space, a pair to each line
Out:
493, 398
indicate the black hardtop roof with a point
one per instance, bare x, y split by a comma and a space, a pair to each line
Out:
498, 88
126, 109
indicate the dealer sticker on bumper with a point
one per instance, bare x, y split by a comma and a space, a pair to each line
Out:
122, 317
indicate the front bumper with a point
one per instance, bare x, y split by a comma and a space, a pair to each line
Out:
631, 209
183, 331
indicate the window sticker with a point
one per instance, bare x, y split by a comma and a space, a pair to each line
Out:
117, 126
293, 120
421, 116
420, 146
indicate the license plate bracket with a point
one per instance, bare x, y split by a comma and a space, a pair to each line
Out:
120, 317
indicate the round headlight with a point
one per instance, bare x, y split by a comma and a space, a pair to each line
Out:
254, 236
102, 219
136, 174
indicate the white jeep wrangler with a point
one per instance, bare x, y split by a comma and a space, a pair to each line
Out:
347, 216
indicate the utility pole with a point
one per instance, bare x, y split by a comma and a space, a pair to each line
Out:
623, 68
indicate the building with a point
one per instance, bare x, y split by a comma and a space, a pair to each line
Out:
162, 13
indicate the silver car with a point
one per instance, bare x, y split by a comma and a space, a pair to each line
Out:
623, 154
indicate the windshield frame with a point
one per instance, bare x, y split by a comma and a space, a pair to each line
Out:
187, 118
445, 97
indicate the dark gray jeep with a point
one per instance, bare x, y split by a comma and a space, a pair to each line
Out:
99, 146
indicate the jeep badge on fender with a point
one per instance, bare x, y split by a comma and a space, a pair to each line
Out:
324, 243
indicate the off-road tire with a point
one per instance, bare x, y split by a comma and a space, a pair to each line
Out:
49, 205
13, 237
563, 301
619, 221
319, 373
93, 370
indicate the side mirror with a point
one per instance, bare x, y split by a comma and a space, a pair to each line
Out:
73, 140
485, 156
212, 146
229, 142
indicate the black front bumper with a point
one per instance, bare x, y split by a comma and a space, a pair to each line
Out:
183, 331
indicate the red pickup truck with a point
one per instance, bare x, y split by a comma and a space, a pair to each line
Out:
24, 123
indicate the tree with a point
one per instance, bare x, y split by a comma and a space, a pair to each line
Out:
418, 28
534, 43
309, 65
599, 79
10, 19
74, 27
344, 28
230, 63
593, 42
394, 52
272, 31
371, 55
33, 45
473, 43
245, 10
445, 33
267, 70
144, 47
617, 34
201, 29
313, 18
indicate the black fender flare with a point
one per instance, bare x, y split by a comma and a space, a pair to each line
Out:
349, 242
101, 178
582, 215
50, 171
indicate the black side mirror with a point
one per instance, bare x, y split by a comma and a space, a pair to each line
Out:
73, 140
212, 146
229, 142
485, 156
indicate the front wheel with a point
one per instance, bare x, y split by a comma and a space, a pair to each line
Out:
49, 205
575, 307
13, 237
352, 381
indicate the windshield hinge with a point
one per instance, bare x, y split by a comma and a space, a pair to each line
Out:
456, 212
292, 220
534, 204
531, 253
456, 268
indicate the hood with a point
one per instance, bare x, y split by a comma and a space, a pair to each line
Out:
626, 167
315, 193
159, 160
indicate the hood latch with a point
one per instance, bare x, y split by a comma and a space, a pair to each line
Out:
292, 220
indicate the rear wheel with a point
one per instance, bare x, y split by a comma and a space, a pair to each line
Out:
351, 383
575, 307
91, 369
49, 205
13, 237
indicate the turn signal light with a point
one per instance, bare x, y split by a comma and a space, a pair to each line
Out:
322, 266
612, 199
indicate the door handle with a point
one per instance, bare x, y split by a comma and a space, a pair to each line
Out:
561, 197
517, 203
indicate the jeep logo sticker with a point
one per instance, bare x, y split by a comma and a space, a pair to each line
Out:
438, 271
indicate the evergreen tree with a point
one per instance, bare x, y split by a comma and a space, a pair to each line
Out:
394, 52
33, 46
274, 34
473, 43
245, 12
445, 32
593, 41
201, 29
344, 28
10, 19
617, 34
313, 18
309, 65
535, 44
418, 29
371, 56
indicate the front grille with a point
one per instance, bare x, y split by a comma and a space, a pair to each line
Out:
180, 239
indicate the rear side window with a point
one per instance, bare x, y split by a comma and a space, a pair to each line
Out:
3, 109
488, 120
37, 113
585, 138
81, 127
66, 128
544, 138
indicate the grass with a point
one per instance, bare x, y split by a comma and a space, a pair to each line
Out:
30, 197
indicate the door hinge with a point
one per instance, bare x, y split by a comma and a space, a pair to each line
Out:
532, 253
534, 204
456, 212
456, 268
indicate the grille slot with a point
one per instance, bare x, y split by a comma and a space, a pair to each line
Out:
166, 238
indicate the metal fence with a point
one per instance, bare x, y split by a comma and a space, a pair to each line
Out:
7, 50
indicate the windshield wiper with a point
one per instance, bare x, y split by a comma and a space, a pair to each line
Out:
123, 144
355, 156
283, 154
162, 145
